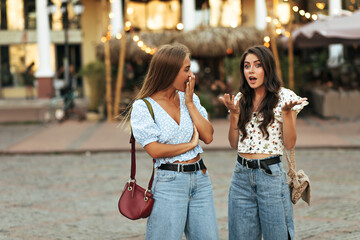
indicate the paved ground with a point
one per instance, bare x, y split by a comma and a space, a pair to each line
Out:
63, 181
74, 136
74, 196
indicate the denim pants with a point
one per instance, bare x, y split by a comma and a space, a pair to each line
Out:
184, 202
260, 204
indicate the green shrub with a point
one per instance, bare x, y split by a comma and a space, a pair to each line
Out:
95, 77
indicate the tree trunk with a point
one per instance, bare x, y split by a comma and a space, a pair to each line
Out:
120, 75
291, 50
270, 11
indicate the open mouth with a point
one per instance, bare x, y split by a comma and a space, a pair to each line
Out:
252, 80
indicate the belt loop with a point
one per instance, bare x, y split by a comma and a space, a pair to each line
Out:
178, 168
258, 160
198, 164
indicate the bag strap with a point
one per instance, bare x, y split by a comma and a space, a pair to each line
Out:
291, 163
133, 156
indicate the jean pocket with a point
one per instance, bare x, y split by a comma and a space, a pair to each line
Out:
204, 172
165, 176
238, 167
276, 170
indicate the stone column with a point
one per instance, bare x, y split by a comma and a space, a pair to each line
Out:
336, 51
188, 14
117, 19
44, 74
260, 14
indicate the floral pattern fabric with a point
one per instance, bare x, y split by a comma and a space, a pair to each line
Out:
165, 129
255, 142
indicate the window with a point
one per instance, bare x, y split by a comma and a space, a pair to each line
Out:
3, 18
30, 14
15, 14
154, 15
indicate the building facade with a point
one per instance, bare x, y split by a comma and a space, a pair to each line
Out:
29, 33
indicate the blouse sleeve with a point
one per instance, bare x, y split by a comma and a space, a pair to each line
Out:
286, 95
143, 125
237, 97
198, 105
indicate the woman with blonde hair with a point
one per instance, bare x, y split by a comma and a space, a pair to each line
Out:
182, 189
262, 123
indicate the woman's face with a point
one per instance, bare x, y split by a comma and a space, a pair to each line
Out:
253, 71
183, 76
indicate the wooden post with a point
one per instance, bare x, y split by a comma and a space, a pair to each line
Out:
108, 81
105, 22
291, 49
269, 8
120, 75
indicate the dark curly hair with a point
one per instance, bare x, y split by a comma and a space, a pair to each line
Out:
272, 84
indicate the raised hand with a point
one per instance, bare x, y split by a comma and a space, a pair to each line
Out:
189, 89
195, 138
228, 101
289, 105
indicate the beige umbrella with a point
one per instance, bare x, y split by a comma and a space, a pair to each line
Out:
320, 33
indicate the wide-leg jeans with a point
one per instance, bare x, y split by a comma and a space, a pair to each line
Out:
260, 204
184, 203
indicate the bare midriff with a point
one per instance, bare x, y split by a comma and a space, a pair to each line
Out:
255, 155
195, 159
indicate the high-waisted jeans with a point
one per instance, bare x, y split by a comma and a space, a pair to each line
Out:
260, 204
183, 203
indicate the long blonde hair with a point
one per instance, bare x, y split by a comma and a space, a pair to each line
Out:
163, 69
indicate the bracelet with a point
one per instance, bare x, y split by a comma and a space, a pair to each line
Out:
230, 112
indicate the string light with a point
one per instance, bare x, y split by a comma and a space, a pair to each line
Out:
233, 24
143, 46
180, 26
281, 30
320, 6
118, 36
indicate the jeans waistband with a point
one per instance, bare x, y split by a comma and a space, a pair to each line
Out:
190, 167
259, 163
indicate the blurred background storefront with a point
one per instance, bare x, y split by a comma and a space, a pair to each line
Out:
19, 43
217, 31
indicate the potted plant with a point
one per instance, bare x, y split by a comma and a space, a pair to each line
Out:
94, 72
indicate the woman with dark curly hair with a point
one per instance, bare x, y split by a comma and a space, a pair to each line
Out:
262, 123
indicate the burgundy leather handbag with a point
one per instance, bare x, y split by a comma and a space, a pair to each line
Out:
136, 202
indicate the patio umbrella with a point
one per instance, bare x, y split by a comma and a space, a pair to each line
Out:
341, 29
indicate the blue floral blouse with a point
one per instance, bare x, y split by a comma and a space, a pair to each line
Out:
165, 129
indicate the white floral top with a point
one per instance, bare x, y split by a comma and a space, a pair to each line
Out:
164, 129
255, 142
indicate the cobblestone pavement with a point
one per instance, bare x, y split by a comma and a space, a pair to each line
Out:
75, 196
